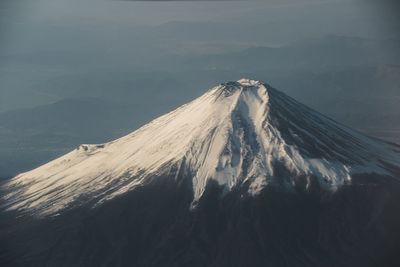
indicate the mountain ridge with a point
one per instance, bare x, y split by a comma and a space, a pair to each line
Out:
242, 133
277, 184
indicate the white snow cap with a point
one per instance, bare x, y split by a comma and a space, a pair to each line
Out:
237, 133
249, 82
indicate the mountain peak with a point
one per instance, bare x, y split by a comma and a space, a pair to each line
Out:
249, 82
238, 134
244, 83
241, 85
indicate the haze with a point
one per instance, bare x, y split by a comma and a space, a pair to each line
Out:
75, 72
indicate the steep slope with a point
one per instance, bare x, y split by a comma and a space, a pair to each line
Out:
242, 133
242, 176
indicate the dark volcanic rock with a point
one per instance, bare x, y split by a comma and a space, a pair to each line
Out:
154, 226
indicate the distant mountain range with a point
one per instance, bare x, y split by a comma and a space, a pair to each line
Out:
353, 80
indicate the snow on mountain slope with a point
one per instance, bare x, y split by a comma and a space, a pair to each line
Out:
237, 133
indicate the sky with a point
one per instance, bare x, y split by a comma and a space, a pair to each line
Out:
43, 39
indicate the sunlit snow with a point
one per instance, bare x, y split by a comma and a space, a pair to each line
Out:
228, 135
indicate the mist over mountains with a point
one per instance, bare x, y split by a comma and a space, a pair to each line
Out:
112, 153
124, 55
343, 77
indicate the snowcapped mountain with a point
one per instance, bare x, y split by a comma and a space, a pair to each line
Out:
241, 176
242, 133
